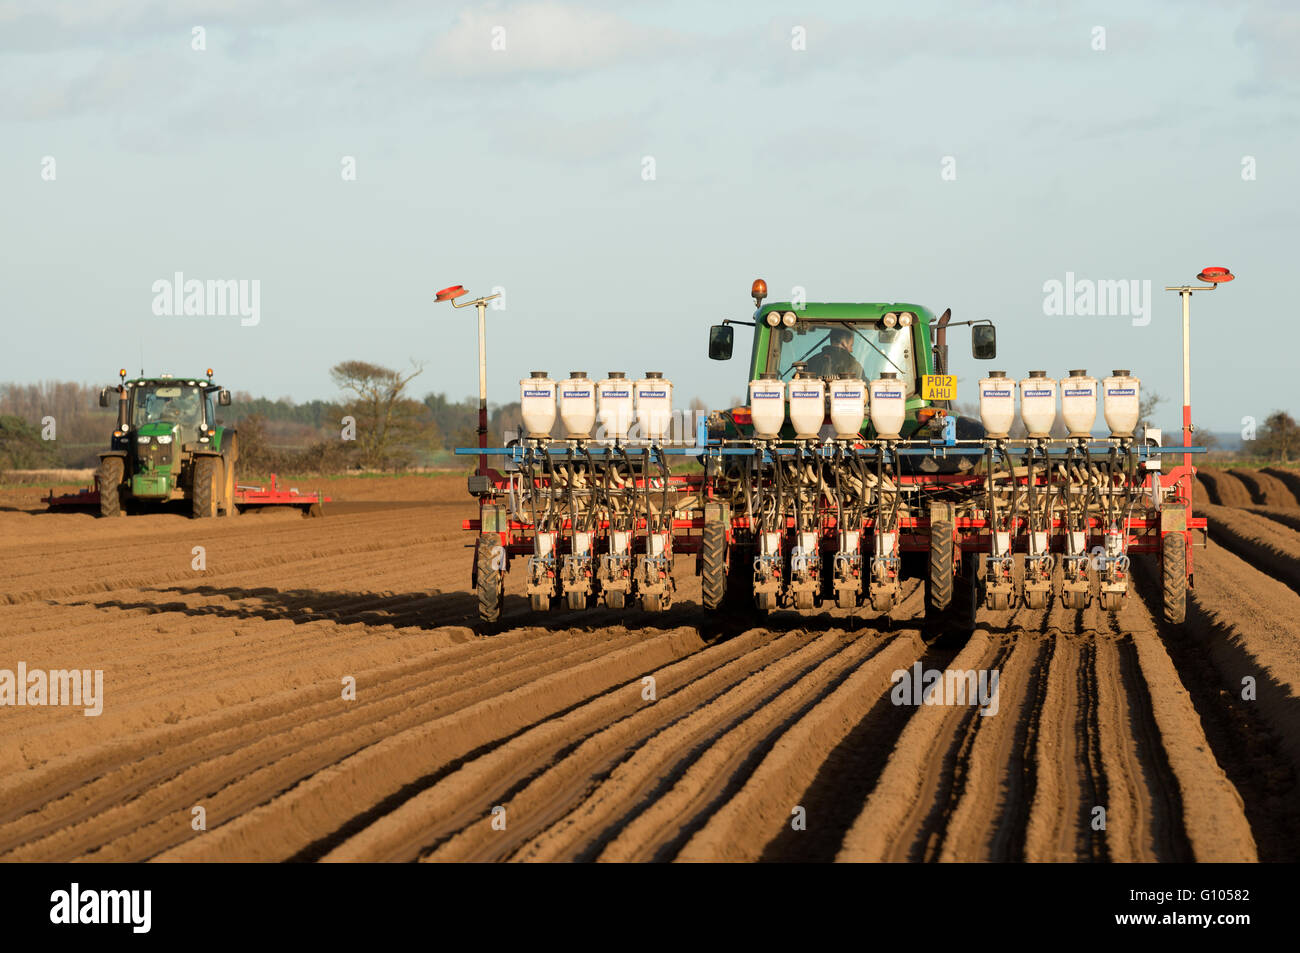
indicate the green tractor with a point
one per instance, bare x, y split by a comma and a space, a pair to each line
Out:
858, 340
168, 445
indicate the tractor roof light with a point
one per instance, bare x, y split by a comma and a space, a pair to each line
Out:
789, 318
890, 320
209, 374
758, 291
905, 319
773, 318
122, 373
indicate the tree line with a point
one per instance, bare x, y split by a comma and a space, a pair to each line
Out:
374, 424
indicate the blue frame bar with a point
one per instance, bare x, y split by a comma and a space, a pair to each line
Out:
901, 448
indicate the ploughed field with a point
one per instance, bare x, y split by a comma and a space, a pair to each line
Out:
603, 736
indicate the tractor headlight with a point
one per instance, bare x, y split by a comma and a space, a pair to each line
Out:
890, 320
789, 318
142, 439
905, 319
165, 438
773, 319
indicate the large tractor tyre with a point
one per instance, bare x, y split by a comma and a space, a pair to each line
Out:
491, 580
205, 493
108, 481
713, 557
231, 455
739, 597
1173, 577
941, 580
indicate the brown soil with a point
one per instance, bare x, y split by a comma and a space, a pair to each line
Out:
763, 739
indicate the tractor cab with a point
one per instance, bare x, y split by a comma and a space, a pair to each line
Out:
185, 405
865, 341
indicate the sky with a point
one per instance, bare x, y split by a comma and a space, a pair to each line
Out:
623, 171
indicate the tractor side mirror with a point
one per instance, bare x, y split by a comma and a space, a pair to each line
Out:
983, 342
722, 337
223, 398
104, 399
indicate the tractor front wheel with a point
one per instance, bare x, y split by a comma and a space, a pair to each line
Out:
108, 481
205, 493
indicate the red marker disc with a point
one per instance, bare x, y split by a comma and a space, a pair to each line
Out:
1215, 275
446, 294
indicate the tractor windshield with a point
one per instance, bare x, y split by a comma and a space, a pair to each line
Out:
170, 403
828, 348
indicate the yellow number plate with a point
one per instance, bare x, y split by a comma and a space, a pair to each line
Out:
939, 387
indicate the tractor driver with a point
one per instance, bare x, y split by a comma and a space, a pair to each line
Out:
837, 356
187, 408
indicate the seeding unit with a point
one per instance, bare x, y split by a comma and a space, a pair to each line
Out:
845, 474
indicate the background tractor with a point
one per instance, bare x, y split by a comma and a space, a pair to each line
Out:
168, 445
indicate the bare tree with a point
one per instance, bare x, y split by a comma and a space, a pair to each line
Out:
1279, 438
1147, 404
387, 421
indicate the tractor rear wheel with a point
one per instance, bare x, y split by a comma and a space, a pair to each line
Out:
109, 483
740, 579
713, 558
490, 577
1173, 577
230, 454
205, 493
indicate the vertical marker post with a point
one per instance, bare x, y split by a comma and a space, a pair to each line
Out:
1214, 277
451, 294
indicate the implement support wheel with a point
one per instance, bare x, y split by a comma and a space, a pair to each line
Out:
1173, 577
490, 559
713, 558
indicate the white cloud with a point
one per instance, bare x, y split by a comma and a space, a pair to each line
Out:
542, 38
